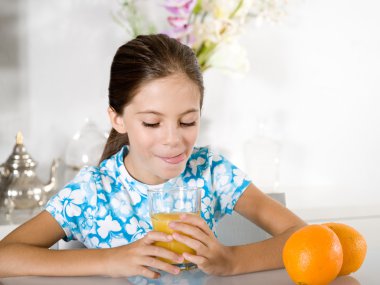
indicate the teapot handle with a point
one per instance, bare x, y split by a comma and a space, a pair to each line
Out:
54, 166
3, 171
53, 171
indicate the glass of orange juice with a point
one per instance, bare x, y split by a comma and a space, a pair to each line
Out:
166, 205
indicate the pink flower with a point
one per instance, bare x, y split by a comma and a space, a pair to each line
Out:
182, 33
181, 8
177, 21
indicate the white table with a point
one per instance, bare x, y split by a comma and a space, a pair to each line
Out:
367, 274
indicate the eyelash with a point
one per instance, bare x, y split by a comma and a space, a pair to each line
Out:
158, 124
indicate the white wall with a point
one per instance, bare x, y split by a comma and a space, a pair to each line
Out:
313, 79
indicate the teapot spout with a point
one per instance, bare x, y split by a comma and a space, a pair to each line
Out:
53, 181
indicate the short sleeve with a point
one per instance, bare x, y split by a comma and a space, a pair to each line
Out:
228, 183
74, 205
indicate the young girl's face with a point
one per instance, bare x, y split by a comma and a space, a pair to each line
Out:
162, 122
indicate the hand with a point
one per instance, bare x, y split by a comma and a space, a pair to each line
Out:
211, 256
135, 258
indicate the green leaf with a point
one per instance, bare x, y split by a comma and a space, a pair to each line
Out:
236, 9
198, 7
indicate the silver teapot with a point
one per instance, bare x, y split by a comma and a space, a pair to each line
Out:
20, 188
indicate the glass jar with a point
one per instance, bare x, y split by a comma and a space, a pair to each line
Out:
84, 149
262, 158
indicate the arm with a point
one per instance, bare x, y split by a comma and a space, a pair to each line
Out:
275, 219
215, 258
25, 252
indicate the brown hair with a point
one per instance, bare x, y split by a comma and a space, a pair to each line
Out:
142, 60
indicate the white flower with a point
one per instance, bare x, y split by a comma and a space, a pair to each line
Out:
135, 197
107, 183
223, 9
206, 207
72, 199
107, 226
115, 202
125, 207
221, 177
198, 182
102, 212
94, 241
195, 163
136, 228
225, 199
217, 158
118, 241
89, 217
239, 177
230, 56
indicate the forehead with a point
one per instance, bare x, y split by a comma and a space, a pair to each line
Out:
174, 92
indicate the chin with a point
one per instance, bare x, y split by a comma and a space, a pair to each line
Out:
171, 173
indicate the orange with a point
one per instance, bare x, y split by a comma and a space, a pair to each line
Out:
313, 255
353, 244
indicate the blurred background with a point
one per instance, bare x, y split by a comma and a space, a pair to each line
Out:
302, 120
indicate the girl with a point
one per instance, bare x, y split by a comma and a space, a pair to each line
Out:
155, 101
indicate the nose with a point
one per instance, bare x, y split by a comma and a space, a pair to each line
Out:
172, 135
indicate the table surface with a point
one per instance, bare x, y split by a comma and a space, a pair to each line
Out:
366, 275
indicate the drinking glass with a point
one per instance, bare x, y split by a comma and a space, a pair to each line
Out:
166, 205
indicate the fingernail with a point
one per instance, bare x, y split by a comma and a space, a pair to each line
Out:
156, 275
182, 216
180, 258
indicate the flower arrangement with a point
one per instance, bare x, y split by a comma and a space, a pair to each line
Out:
210, 27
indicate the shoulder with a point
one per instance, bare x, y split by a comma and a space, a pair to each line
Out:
92, 175
82, 189
203, 161
89, 182
217, 165
205, 154
207, 157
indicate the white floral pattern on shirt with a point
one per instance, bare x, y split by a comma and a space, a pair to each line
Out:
105, 207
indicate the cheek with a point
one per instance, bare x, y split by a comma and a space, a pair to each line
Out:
140, 137
192, 135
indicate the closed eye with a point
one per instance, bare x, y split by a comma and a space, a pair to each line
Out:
188, 124
156, 125
151, 125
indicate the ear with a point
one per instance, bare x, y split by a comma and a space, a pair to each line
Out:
116, 121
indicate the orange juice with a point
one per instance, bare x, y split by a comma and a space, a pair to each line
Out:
160, 223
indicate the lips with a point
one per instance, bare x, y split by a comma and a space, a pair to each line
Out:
174, 159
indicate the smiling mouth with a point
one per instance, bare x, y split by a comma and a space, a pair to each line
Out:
174, 159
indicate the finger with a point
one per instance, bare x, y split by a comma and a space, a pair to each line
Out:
196, 221
146, 272
192, 243
191, 230
159, 264
154, 236
196, 259
157, 251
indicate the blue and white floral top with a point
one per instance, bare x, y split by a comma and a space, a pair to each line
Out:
105, 207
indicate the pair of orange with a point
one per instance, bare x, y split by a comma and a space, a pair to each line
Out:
317, 254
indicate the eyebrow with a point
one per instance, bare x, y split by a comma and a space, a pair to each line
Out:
160, 114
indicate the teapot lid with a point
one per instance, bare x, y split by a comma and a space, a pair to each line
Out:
19, 158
